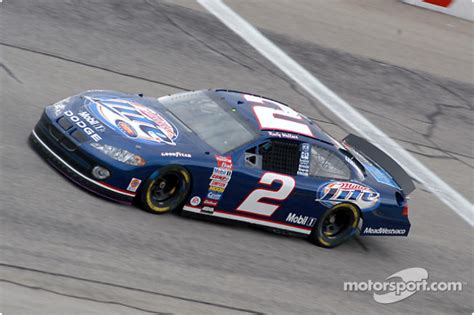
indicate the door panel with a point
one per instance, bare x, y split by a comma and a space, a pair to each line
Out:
265, 201
269, 196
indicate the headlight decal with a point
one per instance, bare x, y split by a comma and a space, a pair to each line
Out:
118, 154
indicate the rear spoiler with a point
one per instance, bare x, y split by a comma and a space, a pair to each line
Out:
383, 160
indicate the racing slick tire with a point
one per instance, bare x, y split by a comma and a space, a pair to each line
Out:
165, 190
337, 225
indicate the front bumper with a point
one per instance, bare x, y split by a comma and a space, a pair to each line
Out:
72, 163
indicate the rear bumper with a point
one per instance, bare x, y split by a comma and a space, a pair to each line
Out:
51, 151
376, 225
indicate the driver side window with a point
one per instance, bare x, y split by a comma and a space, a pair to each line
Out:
280, 156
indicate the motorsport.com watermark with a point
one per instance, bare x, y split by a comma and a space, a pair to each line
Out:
401, 285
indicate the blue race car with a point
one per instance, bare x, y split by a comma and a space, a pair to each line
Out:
229, 155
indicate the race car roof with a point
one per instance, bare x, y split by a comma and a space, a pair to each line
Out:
265, 114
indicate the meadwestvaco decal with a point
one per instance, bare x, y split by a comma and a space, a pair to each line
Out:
332, 193
219, 180
384, 231
133, 120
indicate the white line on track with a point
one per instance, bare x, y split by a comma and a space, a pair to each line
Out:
341, 108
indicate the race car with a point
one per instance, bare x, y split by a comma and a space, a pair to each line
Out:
226, 154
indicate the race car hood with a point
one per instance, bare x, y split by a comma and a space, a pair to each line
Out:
129, 122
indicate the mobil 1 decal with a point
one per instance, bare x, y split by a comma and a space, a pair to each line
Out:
219, 179
333, 193
133, 120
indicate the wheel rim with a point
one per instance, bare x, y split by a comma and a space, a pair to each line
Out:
339, 222
165, 188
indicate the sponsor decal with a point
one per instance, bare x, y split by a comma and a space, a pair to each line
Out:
303, 167
218, 183
214, 195
384, 231
176, 154
92, 121
133, 120
195, 201
208, 202
207, 209
301, 219
224, 162
126, 128
222, 171
216, 189
349, 161
220, 177
332, 193
283, 135
134, 183
81, 124
60, 106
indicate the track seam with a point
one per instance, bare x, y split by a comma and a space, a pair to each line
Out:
128, 288
81, 297
93, 66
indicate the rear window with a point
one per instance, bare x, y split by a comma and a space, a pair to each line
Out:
325, 163
216, 124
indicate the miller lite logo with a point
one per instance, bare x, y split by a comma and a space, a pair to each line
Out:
332, 193
133, 120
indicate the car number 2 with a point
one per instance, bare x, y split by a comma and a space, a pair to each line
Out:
272, 115
254, 204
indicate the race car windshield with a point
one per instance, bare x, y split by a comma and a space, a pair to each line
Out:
216, 124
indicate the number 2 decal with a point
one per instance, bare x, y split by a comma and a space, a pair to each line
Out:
277, 116
253, 203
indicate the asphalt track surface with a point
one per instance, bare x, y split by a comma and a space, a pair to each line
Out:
66, 251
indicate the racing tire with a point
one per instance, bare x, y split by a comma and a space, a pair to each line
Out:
337, 225
166, 190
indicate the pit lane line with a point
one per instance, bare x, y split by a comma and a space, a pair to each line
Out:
340, 108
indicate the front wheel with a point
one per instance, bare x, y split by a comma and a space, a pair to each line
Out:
166, 190
337, 225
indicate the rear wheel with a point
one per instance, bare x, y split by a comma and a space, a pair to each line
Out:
166, 190
336, 225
